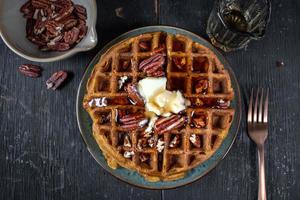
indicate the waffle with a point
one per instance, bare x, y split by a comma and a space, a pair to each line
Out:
173, 161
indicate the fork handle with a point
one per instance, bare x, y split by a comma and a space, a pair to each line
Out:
261, 173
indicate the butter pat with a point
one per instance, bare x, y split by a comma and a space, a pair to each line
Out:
159, 100
151, 86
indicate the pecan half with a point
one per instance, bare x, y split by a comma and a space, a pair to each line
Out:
195, 140
71, 36
134, 95
54, 28
199, 122
201, 86
69, 23
64, 12
30, 70
80, 11
153, 65
179, 62
56, 80
27, 10
166, 124
40, 3
39, 27
133, 121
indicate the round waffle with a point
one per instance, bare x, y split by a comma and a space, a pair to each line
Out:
173, 153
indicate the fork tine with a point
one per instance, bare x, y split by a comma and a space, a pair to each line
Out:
260, 111
265, 119
250, 107
255, 107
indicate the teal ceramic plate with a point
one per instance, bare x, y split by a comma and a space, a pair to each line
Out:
85, 123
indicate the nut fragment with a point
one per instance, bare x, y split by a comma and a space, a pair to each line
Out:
166, 124
179, 62
127, 142
121, 81
128, 154
201, 86
152, 141
104, 119
30, 70
175, 141
142, 143
56, 80
134, 95
199, 122
125, 64
195, 140
98, 102
160, 145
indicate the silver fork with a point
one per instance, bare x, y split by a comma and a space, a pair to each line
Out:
258, 132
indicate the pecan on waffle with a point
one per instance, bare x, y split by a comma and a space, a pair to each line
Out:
161, 147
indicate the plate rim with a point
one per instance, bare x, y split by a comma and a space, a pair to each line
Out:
207, 44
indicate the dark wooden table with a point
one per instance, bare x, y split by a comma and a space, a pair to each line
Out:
42, 155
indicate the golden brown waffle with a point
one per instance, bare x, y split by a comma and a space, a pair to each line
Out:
200, 63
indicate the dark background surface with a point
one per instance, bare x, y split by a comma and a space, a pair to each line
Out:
42, 155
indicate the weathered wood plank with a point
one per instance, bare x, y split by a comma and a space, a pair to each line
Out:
43, 157
235, 177
42, 154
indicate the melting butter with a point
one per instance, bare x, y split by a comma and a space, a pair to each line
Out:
158, 99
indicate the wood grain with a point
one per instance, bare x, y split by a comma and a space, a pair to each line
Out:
236, 177
42, 155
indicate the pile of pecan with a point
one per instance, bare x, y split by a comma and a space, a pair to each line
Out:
54, 25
